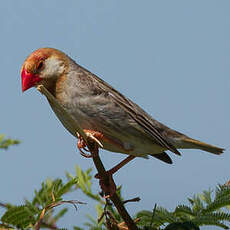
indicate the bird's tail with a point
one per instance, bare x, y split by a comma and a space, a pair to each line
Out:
195, 144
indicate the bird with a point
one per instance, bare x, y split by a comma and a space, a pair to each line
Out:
107, 116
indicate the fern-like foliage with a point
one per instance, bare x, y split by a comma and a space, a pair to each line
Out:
19, 216
182, 226
208, 208
39, 211
6, 142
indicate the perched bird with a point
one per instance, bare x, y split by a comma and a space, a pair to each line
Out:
115, 121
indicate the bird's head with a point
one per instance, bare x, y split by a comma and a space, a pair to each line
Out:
43, 66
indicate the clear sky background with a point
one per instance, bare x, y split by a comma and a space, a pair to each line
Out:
170, 57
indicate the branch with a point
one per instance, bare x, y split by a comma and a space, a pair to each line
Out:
136, 199
93, 147
3, 205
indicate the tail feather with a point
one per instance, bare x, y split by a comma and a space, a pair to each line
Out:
163, 157
195, 144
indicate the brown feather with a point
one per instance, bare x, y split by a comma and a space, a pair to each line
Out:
135, 112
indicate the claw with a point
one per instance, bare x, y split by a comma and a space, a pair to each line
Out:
91, 136
85, 154
82, 145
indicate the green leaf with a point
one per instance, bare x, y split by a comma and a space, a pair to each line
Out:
5, 143
183, 210
182, 226
77, 228
84, 183
198, 205
206, 196
66, 187
20, 216
217, 204
100, 210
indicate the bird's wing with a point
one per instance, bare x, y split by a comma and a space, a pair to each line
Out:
137, 114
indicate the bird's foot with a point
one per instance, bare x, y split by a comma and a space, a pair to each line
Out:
91, 136
98, 138
82, 145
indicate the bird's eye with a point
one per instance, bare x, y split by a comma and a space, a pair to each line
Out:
40, 65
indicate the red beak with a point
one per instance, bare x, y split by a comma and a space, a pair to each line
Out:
29, 80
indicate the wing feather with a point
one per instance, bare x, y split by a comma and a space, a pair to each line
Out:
134, 111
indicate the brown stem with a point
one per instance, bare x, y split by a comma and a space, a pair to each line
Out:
136, 199
49, 226
115, 199
3, 205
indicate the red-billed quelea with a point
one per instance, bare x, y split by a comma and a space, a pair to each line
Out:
114, 120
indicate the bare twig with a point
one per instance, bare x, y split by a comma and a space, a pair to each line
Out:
49, 226
93, 148
3, 205
53, 205
136, 199
154, 211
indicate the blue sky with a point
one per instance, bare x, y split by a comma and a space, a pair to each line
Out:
170, 57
